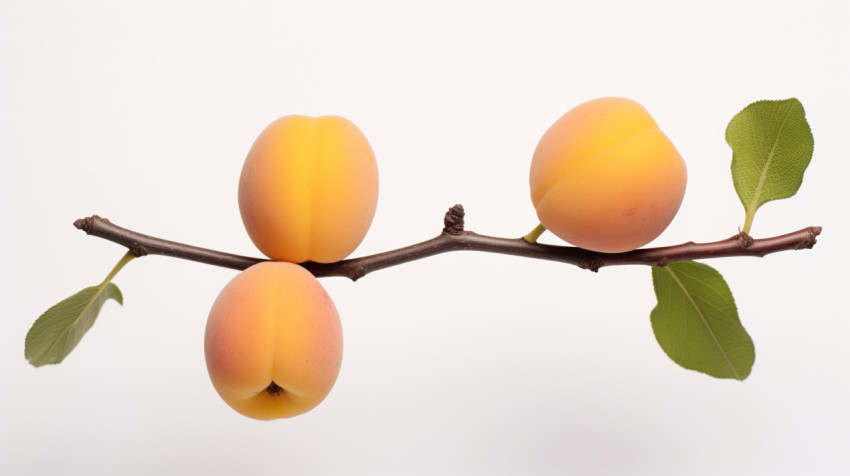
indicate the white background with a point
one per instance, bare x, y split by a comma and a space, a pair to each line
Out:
464, 363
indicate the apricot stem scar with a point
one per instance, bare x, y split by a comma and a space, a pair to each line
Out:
274, 389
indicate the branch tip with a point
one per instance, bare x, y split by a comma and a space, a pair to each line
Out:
85, 224
810, 239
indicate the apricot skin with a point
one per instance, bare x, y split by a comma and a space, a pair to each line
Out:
309, 189
273, 323
605, 178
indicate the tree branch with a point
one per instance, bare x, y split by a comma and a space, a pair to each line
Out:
455, 238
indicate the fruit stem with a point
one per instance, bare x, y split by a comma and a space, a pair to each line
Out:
535, 233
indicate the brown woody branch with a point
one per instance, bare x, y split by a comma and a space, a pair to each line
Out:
455, 238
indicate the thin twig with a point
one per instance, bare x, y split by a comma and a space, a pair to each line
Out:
455, 238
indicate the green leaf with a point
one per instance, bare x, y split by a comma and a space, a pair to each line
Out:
696, 321
771, 145
55, 334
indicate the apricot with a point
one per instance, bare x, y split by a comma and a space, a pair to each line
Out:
273, 342
309, 189
605, 178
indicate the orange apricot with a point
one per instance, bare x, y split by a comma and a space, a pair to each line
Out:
309, 189
605, 178
273, 342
